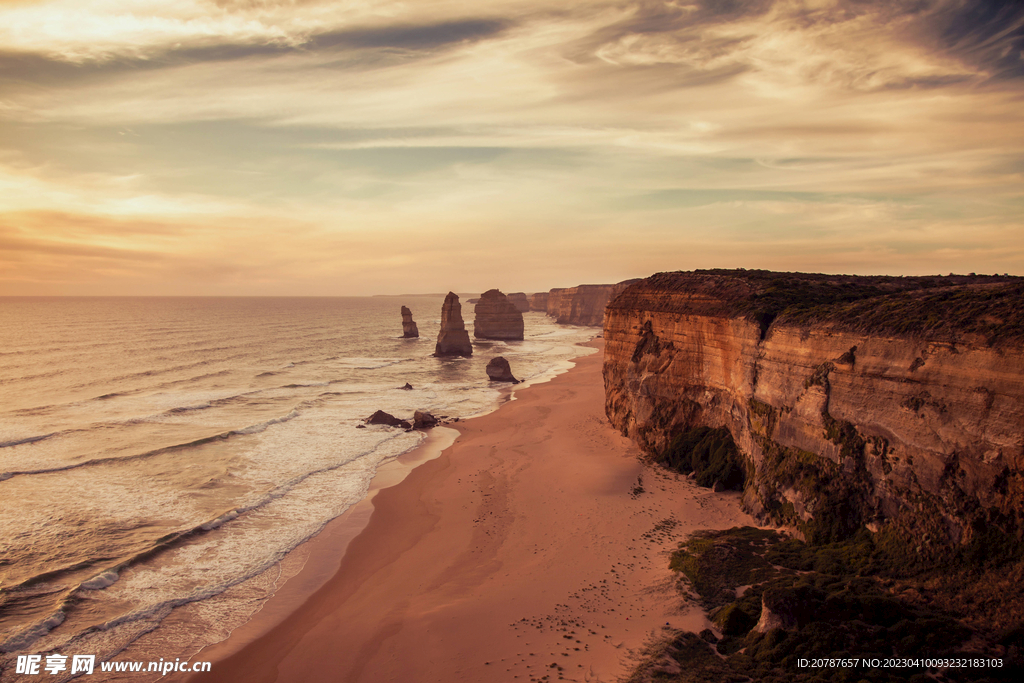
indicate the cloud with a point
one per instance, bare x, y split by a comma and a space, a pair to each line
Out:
372, 132
377, 47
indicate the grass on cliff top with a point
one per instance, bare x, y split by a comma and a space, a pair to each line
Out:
935, 306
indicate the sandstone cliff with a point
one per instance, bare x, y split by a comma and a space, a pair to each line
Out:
582, 305
496, 317
453, 339
896, 403
539, 302
409, 329
519, 300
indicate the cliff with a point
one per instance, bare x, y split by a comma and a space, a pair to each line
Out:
582, 305
539, 302
496, 317
452, 339
891, 403
409, 329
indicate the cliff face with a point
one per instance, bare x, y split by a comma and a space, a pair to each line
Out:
840, 422
539, 302
496, 317
452, 339
582, 305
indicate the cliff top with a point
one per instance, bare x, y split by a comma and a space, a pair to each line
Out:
936, 306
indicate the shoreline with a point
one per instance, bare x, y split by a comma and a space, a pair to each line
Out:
451, 569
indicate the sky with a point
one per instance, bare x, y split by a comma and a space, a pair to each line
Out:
315, 148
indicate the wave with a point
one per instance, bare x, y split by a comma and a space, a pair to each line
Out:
108, 576
244, 431
32, 439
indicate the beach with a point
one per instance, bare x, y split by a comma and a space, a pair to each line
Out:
536, 545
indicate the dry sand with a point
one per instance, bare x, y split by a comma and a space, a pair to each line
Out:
525, 550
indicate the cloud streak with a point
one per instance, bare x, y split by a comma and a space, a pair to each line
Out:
730, 128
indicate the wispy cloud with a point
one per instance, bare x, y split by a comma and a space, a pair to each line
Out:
782, 132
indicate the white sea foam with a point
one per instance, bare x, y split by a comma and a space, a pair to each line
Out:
99, 581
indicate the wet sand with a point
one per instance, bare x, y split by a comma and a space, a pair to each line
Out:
536, 545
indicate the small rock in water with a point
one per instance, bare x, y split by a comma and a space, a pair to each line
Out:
382, 418
498, 370
421, 419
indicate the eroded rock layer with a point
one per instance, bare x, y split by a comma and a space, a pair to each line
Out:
497, 318
539, 302
582, 305
453, 339
895, 403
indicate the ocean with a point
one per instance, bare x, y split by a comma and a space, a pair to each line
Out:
157, 453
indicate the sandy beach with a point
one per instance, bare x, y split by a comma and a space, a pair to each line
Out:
534, 546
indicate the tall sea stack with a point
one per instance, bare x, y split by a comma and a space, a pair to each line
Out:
409, 328
453, 339
497, 318
519, 300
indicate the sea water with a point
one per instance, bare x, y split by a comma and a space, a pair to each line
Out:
155, 452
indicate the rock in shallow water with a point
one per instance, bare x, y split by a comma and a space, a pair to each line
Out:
409, 329
421, 419
382, 418
453, 339
498, 370
497, 318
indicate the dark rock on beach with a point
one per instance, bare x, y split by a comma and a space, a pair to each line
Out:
498, 370
382, 418
421, 419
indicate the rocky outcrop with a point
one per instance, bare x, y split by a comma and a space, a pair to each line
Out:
497, 318
788, 608
409, 329
421, 419
382, 418
582, 305
891, 403
453, 339
519, 300
539, 302
498, 370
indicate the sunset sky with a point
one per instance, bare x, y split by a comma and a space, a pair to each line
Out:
307, 147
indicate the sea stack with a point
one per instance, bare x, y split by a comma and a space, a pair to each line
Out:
498, 370
409, 329
497, 318
453, 339
519, 300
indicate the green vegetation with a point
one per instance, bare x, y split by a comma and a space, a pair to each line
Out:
709, 452
939, 307
851, 599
